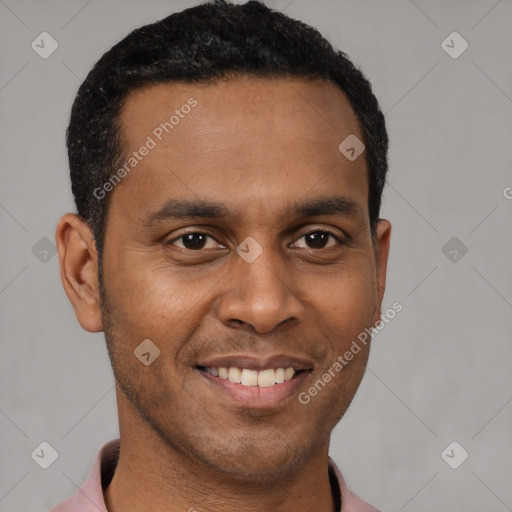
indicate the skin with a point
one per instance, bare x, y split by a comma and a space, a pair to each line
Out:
256, 145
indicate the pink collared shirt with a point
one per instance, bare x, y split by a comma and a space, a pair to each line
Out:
89, 498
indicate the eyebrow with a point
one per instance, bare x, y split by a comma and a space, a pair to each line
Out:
183, 209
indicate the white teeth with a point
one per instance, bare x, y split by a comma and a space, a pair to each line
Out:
289, 373
266, 378
246, 377
234, 374
249, 377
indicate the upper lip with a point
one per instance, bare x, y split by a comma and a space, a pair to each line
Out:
253, 362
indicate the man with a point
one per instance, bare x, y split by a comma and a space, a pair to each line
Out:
227, 165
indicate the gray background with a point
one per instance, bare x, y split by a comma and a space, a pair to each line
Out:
439, 372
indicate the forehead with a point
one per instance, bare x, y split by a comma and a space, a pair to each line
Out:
269, 138
242, 100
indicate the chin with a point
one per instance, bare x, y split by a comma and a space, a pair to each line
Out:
253, 458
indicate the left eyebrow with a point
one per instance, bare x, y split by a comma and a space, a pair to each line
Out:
182, 209
333, 205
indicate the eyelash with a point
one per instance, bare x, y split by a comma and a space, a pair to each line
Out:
323, 230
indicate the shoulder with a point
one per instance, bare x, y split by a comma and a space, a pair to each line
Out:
350, 502
89, 497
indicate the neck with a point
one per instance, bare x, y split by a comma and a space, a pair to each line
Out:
151, 475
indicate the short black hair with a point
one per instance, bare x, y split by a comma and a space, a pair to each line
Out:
203, 43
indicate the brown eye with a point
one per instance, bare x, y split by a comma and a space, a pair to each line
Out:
319, 239
194, 241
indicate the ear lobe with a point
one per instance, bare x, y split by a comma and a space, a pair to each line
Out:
78, 260
383, 238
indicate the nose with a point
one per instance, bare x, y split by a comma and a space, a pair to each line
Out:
260, 296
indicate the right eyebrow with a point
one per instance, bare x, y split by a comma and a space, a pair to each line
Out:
175, 209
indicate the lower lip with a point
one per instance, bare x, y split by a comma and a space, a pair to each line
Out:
255, 396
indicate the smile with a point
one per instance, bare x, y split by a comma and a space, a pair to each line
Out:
266, 388
247, 377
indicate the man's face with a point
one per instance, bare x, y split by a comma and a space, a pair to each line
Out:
259, 148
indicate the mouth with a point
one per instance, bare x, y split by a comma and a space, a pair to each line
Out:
256, 383
253, 378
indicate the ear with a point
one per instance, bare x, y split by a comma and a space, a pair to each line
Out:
78, 260
382, 241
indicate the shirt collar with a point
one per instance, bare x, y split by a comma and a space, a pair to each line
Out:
89, 497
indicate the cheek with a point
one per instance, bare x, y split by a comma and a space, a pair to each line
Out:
130, 281
149, 300
346, 301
